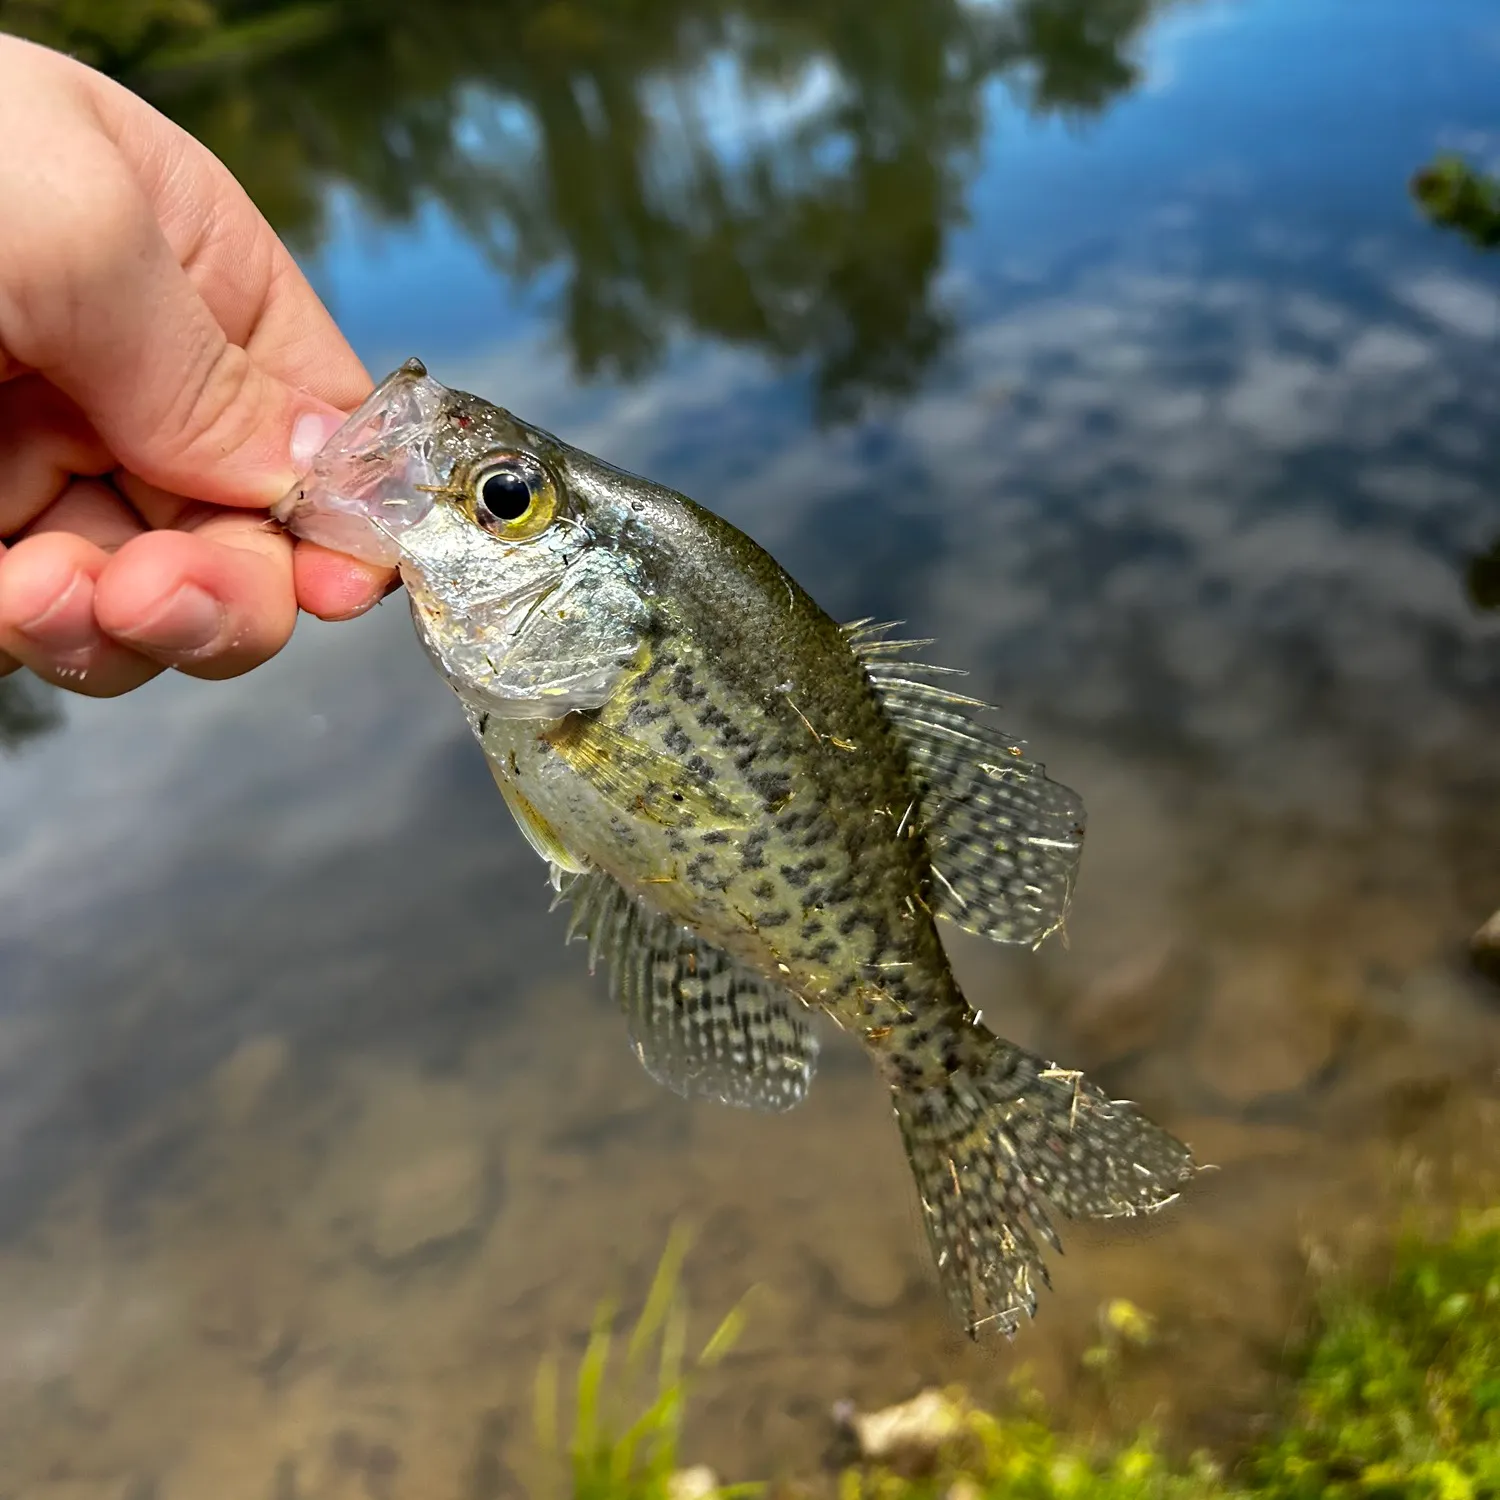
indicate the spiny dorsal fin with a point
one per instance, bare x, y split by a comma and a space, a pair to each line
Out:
701, 1023
1005, 839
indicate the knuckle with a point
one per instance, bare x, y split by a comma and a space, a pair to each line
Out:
97, 225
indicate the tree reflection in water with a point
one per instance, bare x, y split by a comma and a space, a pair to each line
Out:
27, 709
588, 137
1455, 195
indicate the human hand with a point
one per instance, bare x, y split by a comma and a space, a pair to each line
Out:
166, 373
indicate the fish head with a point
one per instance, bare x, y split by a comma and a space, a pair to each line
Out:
510, 543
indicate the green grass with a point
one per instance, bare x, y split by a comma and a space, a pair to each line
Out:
627, 1414
1395, 1396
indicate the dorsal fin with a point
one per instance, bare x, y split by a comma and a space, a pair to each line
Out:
702, 1024
1005, 839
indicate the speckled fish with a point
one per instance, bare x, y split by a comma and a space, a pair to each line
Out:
754, 812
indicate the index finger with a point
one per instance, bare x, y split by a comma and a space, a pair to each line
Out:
240, 268
254, 288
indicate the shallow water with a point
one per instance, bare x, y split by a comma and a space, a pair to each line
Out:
1147, 392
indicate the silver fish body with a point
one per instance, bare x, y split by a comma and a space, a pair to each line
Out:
754, 812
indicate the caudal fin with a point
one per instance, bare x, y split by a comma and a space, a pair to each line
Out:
991, 1147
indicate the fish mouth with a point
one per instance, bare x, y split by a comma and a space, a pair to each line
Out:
366, 485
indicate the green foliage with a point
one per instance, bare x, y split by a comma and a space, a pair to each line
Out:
109, 36
612, 1455
1397, 1395
1400, 1394
1455, 195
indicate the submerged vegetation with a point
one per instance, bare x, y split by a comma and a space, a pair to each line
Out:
611, 1454
1395, 1393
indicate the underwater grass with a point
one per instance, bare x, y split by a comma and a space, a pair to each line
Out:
610, 1454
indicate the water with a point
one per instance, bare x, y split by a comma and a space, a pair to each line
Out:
1100, 341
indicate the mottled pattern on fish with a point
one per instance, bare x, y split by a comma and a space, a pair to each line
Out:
753, 812
811, 874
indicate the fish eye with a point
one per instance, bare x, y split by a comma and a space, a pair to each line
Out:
514, 496
506, 495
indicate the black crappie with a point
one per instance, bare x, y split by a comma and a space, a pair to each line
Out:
753, 811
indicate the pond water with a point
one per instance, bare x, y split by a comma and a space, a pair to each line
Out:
1100, 341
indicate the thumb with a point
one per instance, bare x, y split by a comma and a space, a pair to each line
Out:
100, 305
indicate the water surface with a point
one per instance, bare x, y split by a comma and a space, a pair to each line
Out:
1099, 340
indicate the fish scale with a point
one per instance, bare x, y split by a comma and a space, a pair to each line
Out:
756, 894
753, 813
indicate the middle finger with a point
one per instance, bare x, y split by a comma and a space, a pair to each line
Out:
47, 620
212, 596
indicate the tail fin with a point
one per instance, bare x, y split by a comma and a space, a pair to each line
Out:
992, 1145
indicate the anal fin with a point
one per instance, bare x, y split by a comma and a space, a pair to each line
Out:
701, 1023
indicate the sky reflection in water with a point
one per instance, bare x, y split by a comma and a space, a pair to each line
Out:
1172, 422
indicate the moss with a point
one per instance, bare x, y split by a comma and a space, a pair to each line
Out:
1400, 1391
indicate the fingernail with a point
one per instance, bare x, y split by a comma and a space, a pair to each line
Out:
67, 624
189, 620
311, 432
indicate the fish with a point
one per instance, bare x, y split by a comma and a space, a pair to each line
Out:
754, 813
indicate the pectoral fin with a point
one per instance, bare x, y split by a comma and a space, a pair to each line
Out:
641, 780
540, 834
